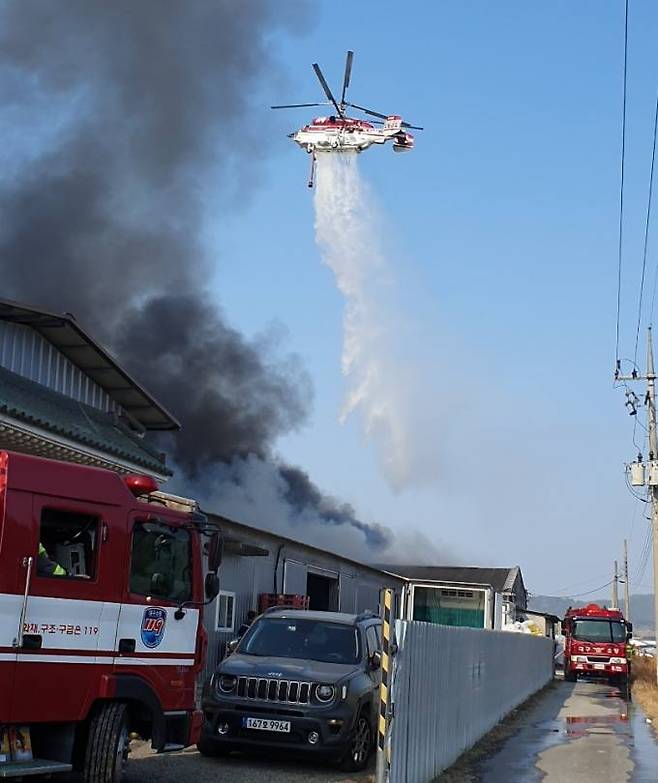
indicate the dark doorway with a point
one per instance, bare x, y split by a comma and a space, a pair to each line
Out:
322, 592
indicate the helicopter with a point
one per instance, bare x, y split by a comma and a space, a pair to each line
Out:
340, 133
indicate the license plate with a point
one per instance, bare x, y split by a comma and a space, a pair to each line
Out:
600, 666
266, 724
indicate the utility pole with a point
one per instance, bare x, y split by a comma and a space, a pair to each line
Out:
615, 591
646, 473
627, 598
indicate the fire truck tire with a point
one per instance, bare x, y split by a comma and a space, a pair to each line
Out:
570, 676
107, 745
621, 681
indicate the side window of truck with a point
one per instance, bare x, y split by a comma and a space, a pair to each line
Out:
161, 562
68, 543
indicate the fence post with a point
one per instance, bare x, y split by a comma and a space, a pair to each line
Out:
383, 754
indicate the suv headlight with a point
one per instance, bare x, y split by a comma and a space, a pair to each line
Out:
225, 683
325, 693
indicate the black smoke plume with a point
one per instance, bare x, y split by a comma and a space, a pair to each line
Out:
125, 117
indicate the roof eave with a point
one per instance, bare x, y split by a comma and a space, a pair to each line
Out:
45, 322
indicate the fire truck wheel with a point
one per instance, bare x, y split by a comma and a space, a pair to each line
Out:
107, 746
570, 676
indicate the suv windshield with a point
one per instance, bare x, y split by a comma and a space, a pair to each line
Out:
312, 640
599, 631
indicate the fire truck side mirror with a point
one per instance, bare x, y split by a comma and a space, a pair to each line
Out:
212, 586
629, 631
215, 551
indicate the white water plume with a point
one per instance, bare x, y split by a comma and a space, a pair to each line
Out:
383, 386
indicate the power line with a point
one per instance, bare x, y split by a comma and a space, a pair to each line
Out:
589, 592
646, 234
644, 556
621, 187
578, 584
636, 507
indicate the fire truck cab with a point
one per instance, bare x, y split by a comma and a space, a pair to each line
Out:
595, 644
101, 593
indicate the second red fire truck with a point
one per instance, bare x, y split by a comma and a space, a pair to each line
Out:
101, 594
595, 644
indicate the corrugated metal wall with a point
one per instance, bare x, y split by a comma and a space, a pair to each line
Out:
236, 576
25, 352
453, 685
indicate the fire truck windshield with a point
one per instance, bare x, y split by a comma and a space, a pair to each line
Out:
599, 631
161, 563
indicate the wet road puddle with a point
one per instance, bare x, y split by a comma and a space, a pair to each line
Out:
578, 726
618, 742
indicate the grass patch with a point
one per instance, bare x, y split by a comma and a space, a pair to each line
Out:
644, 686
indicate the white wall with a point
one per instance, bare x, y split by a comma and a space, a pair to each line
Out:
453, 685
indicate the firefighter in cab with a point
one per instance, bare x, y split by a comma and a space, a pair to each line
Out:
48, 567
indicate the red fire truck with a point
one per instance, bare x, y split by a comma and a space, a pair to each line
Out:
595, 643
101, 593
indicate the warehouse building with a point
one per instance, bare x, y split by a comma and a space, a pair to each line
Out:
464, 596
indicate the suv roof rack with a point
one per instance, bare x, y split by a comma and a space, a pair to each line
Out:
283, 606
367, 615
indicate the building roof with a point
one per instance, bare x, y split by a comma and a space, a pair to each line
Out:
501, 579
27, 401
245, 529
68, 337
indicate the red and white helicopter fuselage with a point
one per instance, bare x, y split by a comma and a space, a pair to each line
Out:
346, 134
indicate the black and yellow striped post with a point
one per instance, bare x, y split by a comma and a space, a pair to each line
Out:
383, 752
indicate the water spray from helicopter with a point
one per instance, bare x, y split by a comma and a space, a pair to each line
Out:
384, 386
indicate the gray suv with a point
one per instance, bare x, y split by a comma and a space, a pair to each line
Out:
298, 681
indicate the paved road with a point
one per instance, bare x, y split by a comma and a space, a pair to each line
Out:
580, 733
190, 767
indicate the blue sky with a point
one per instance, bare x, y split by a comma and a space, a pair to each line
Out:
502, 231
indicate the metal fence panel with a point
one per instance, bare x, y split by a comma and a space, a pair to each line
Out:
452, 686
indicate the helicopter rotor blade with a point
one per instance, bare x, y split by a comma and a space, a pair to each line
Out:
326, 89
368, 111
298, 105
381, 116
348, 73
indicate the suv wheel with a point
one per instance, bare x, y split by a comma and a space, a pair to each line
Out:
210, 747
357, 756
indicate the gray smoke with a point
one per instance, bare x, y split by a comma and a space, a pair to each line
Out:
123, 118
